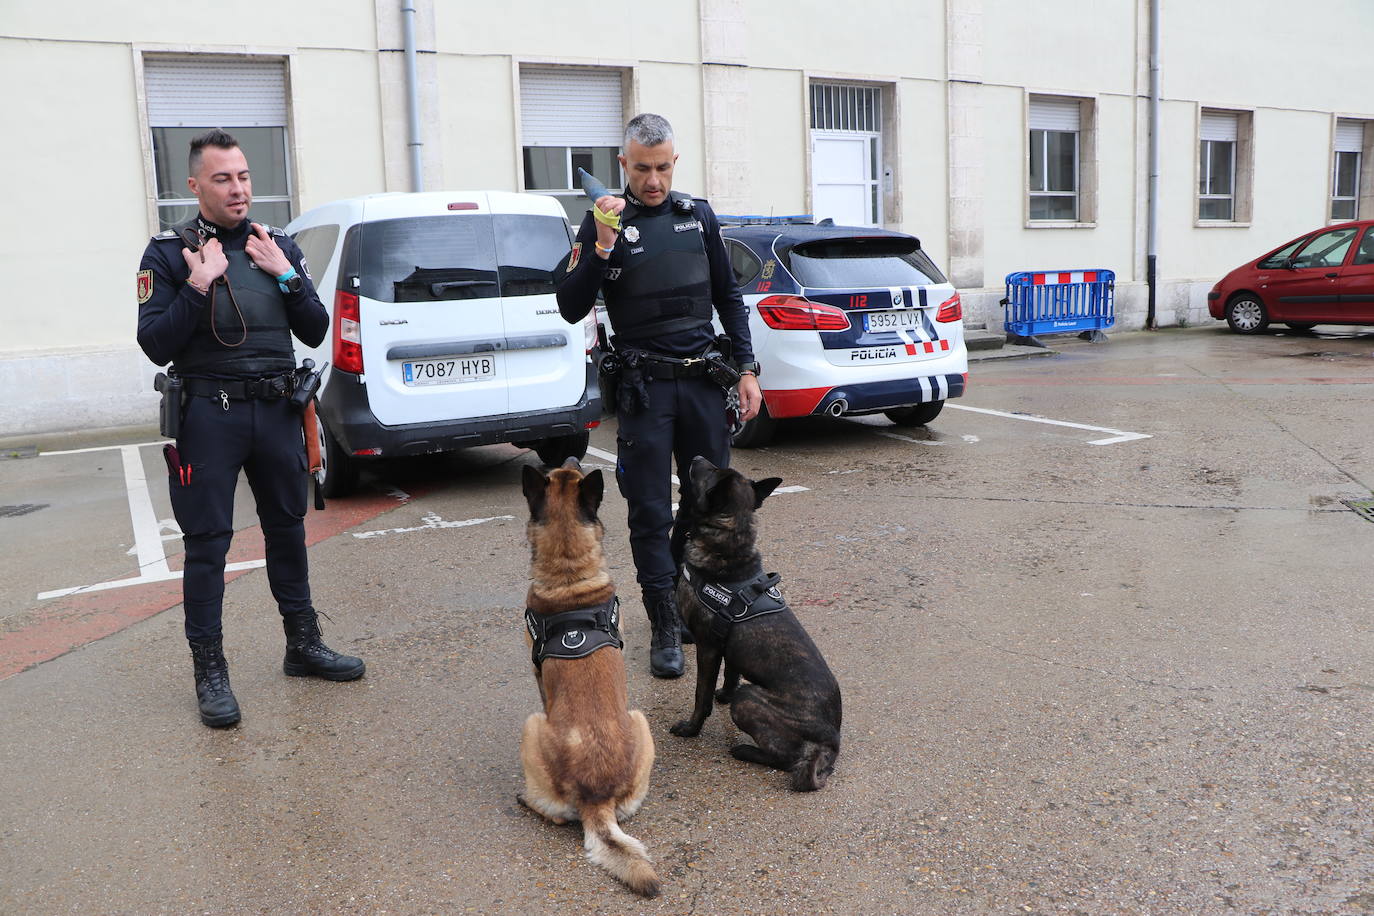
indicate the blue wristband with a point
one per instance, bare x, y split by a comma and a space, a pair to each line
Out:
285, 278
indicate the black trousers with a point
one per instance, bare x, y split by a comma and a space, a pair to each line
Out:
685, 418
263, 438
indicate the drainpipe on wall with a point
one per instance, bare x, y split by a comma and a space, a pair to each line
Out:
1152, 203
417, 181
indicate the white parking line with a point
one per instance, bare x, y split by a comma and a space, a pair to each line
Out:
433, 522
1118, 435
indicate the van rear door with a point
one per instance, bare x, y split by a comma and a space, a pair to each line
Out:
430, 309
545, 357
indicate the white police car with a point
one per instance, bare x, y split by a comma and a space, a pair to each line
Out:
845, 321
445, 332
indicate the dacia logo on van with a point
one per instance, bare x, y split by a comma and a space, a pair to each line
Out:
546, 311
386, 321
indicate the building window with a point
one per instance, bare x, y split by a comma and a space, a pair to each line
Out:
1054, 161
570, 118
247, 97
847, 153
1224, 170
1346, 168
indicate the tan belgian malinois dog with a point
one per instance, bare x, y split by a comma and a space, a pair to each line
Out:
586, 756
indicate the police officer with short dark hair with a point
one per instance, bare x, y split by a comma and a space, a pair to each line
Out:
662, 274
219, 298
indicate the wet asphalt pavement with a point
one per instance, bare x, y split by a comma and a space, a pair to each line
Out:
1132, 677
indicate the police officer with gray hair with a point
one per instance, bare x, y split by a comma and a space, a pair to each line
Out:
219, 298
657, 257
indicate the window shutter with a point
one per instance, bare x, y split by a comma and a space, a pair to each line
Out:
564, 106
215, 92
1054, 114
1219, 126
1349, 136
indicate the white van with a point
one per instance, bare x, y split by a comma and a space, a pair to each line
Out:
444, 328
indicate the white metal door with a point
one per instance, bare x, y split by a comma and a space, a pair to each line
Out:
844, 179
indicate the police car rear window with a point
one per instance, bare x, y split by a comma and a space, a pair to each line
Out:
477, 256
862, 262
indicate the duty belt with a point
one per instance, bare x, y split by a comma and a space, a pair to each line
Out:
264, 389
574, 634
656, 366
733, 602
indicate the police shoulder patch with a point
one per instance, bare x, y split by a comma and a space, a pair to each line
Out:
275, 231
576, 254
145, 286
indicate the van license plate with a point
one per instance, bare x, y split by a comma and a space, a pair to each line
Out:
897, 318
448, 371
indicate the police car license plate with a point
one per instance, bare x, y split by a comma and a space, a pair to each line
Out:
450, 371
893, 319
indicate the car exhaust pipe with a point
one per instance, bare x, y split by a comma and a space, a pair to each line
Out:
837, 407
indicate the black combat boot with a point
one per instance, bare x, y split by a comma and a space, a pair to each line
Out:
218, 707
307, 655
665, 645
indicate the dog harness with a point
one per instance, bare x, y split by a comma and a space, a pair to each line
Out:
574, 634
733, 602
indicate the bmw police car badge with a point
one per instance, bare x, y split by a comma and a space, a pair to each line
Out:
631, 234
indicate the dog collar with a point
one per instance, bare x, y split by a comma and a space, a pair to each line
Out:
733, 602
574, 634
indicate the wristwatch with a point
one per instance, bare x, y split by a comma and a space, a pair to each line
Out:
294, 284
750, 367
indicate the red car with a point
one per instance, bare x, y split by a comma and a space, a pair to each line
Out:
1324, 277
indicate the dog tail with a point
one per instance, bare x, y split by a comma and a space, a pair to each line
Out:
813, 770
616, 851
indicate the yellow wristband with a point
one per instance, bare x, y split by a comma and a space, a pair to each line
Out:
608, 219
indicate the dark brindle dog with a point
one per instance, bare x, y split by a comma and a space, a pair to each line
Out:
791, 705
586, 756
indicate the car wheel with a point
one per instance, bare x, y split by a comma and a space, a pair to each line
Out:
1246, 314
340, 470
757, 432
558, 449
1302, 327
919, 415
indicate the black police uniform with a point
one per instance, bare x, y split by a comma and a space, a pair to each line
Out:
235, 358
666, 273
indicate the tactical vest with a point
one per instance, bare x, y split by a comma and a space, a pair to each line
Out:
665, 278
265, 350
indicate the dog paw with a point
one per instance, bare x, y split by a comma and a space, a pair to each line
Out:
724, 696
685, 729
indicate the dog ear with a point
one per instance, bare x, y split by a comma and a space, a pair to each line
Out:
589, 492
764, 488
700, 472
535, 484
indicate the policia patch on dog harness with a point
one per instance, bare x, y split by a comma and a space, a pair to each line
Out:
732, 602
574, 634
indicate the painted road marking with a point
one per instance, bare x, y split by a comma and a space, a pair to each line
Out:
608, 456
166, 576
433, 522
1118, 435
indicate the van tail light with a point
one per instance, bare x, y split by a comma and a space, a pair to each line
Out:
589, 331
348, 338
793, 313
951, 309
